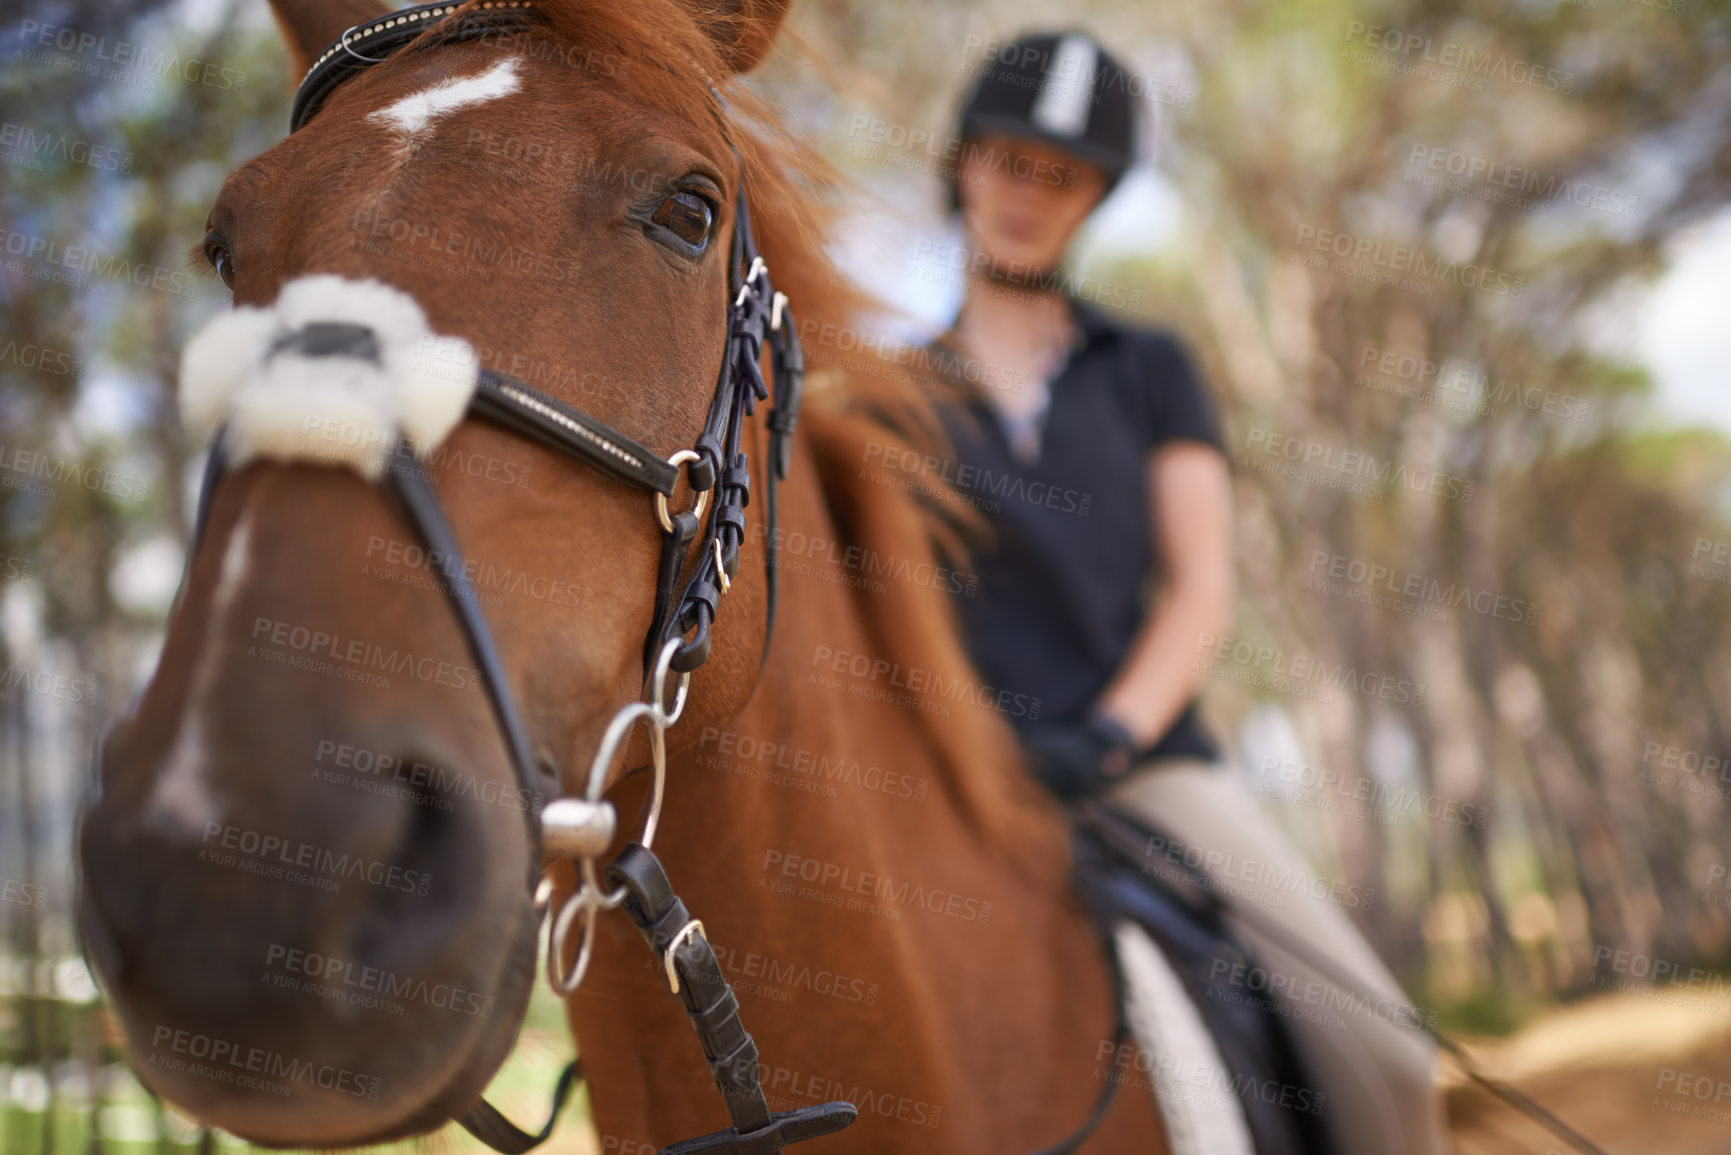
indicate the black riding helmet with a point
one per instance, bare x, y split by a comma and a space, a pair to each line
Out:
1058, 87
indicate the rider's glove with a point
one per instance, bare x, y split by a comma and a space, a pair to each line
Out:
1077, 760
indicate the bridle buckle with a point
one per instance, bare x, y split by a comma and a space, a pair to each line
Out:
694, 927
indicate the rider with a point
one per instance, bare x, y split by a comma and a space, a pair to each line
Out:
1097, 596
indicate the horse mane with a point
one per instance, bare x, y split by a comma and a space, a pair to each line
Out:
671, 63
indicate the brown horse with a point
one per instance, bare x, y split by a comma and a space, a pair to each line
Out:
303, 881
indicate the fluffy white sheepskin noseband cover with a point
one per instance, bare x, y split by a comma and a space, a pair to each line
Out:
334, 372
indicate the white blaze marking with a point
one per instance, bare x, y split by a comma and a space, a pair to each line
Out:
417, 110
183, 789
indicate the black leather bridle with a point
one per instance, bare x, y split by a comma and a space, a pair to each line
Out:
717, 469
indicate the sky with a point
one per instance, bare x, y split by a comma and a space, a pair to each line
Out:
1684, 335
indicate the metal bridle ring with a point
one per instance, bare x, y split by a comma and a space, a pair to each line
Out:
611, 741
658, 687
661, 511
344, 41
587, 901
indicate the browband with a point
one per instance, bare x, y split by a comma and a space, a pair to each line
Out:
372, 42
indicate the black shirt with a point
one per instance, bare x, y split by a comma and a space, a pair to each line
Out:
1065, 584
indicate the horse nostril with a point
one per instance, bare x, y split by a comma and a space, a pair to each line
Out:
435, 866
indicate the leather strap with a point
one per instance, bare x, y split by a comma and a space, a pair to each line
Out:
374, 40
486, 1123
1102, 918
788, 367
428, 517
506, 401
713, 1008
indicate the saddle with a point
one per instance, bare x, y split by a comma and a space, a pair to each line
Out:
1185, 919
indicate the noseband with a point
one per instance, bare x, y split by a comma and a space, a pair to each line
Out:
717, 470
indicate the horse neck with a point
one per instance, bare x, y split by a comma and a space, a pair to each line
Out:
869, 738
900, 853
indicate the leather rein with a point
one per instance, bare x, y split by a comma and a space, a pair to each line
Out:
717, 470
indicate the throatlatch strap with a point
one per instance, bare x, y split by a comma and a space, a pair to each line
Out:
678, 941
485, 1123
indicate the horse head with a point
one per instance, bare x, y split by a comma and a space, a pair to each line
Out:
304, 871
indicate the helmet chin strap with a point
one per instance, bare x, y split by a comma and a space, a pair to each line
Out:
1014, 276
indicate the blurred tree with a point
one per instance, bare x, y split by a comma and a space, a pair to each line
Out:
112, 157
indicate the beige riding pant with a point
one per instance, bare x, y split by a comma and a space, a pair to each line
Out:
1376, 1072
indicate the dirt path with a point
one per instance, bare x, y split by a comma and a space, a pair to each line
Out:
1638, 1074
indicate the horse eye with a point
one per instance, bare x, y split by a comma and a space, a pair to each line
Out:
216, 252
687, 216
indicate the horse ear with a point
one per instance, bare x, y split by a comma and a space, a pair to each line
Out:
742, 30
310, 26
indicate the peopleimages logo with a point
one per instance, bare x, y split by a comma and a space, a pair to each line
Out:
1287, 989
1457, 385
922, 685
863, 561
303, 646
1406, 259
132, 61
766, 976
29, 467
75, 259
277, 857
973, 479
78, 691
1352, 470
23, 894
1070, 70
876, 887
421, 782
1379, 798
951, 151
1261, 880
1530, 189
225, 1061
786, 1088
344, 980
40, 357
1461, 58
1305, 669
34, 145
1718, 555
762, 756
1663, 975
878, 351
1326, 568
944, 263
